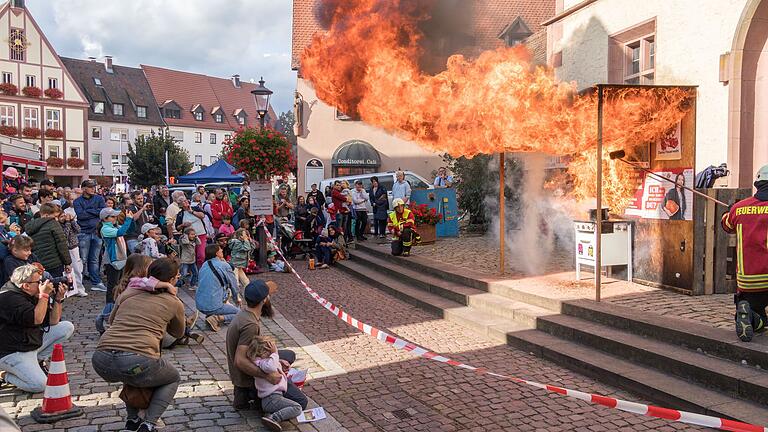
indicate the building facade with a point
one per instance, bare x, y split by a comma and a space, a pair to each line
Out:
200, 111
331, 144
122, 108
41, 106
717, 45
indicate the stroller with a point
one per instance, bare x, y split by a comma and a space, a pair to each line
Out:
293, 243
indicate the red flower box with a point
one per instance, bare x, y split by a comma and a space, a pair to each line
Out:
259, 153
33, 92
54, 133
74, 162
9, 89
54, 93
55, 162
31, 132
9, 130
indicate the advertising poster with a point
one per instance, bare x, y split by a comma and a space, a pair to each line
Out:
261, 198
660, 199
669, 146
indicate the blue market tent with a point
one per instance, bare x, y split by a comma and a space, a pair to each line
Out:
220, 171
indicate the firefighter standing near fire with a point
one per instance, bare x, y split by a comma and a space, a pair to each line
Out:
401, 223
748, 219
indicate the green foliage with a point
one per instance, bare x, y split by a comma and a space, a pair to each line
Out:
146, 159
259, 153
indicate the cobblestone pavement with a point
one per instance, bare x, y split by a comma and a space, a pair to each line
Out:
480, 254
203, 400
388, 390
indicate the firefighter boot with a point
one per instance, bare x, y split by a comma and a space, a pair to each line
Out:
744, 329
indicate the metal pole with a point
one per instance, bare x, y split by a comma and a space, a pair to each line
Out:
262, 238
167, 176
599, 212
501, 214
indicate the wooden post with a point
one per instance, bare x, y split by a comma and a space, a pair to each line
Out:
502, 242
599, 212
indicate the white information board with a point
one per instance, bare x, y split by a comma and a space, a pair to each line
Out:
261, 198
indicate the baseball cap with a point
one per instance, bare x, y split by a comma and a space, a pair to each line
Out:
107, 212
146, 227
47, 182
56, 202
256, 291
88, 183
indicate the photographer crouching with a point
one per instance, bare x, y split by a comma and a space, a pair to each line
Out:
30, 325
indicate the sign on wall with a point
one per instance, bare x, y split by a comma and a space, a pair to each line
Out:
658, 199
261, 198
314, 172
669, 146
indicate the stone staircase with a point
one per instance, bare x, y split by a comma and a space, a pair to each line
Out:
673, 362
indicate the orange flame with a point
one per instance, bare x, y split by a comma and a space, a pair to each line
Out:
367, 65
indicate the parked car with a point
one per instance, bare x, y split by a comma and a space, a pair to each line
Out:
386, 179
190, 189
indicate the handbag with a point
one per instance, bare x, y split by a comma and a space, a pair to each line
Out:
136, 397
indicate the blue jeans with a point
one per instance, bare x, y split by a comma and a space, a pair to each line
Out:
189, 269
22, 368
90, 249
227, 310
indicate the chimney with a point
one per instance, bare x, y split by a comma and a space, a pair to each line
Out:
92, 59
108, 64
236, 80
17, 3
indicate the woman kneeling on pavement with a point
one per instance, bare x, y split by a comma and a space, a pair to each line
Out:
129, 351
217, 286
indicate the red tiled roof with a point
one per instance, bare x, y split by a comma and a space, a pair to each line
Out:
490, 17
189, 89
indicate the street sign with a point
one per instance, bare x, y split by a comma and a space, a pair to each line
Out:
261, 198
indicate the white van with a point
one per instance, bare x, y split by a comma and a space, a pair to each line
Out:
386, 179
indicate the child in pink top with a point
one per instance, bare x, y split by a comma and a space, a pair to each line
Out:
262, 351
226, 227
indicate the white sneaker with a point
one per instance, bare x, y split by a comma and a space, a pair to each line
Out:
100, 287
81, 294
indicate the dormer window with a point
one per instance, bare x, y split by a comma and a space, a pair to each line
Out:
241, 121
241, 116
219, 118
197, 112
515, 33
172, 113
199, 116
218, 114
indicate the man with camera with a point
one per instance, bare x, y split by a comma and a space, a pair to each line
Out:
30, 325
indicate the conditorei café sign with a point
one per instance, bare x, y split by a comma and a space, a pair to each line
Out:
358, 162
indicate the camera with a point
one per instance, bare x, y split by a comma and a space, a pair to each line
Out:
55, 281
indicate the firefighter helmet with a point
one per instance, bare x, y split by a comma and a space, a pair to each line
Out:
762, 174
398, 202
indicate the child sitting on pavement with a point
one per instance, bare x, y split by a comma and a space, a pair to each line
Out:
262, 351
189, 241
226, 227
20, 248
276, 264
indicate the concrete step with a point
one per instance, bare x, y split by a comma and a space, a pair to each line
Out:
746, 382
718, 342
491, 304
661, 388
436, 276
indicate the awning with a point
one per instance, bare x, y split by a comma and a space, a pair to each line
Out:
356, 153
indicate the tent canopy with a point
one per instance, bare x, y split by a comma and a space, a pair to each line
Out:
220, 171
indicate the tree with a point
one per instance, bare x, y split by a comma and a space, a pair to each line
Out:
146, 159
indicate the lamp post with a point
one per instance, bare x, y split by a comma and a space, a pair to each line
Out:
102, 170
261, 96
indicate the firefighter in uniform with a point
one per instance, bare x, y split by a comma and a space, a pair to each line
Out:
748, 219
401, 224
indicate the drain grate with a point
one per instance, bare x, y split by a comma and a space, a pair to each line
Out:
402, 414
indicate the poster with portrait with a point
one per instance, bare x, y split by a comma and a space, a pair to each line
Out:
664, 199
669, 146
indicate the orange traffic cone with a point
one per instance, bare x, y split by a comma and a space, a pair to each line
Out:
57, 400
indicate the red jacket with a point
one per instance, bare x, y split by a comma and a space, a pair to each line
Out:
749, 220
338, 199
219, 209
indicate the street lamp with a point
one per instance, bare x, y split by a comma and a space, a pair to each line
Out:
261, 95
102, 170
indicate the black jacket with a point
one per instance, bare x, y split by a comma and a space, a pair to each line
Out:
50, 242
159, 203
11, 263
17, 321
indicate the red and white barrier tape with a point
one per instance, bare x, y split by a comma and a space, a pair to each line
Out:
632, 407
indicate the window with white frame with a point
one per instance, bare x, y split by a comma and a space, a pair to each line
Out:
95, 158
53, 152
143, 133
198, 160
52, 119
115, 159
241, 120
227, 137
198, 137
98, 107
74, 152
213, 138
7, 78
141, 111
125, 159
31, 81
97, 81
118, 134
96, 132
31, 119
199, 115
640, 61
53, 83
219, 118
7, 115
117, 109
177, 135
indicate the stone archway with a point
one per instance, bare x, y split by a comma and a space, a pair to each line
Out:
748, 101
